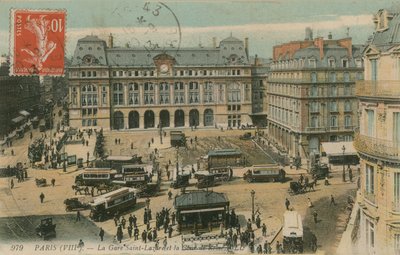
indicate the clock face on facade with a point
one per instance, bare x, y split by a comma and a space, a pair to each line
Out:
164, 68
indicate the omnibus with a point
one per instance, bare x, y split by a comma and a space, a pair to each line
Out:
95, 176
105, 206
116, 162
265, 173
292, 232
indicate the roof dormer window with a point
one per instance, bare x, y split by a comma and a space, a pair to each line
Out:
381, 20
331, 62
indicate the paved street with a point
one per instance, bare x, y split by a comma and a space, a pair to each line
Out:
21, 204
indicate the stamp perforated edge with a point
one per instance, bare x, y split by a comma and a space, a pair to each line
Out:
12, 46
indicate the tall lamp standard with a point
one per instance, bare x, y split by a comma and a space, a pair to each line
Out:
160, 131
252, 205
343, 173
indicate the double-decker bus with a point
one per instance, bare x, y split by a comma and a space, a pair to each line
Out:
95, 176
105, 206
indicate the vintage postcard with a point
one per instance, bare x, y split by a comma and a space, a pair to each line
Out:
199, 126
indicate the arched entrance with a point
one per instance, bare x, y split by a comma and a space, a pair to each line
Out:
194, 117
164, 118
148, 119
118, 120
179, 118
133, 119
208, 117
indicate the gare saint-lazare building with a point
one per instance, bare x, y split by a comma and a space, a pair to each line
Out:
128, 88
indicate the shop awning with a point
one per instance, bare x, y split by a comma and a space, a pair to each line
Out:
24, 113
18, 119
204, 210
336, 148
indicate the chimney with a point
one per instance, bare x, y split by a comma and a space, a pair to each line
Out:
330, 36
309, 34
110, 41
246, 44
214, 42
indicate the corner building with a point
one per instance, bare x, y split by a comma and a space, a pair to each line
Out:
127, 88
378, 140
311, 93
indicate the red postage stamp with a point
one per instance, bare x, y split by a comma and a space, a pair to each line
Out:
37, 42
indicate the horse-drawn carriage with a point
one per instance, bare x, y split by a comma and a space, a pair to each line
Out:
182, 180
73, 204
41, 182
46, 229
298, 187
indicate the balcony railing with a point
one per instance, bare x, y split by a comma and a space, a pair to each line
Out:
369, 196
386, 89
377, 147
315, 129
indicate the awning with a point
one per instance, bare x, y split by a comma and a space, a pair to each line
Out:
204, 210
24, 113
336, 148
18, 119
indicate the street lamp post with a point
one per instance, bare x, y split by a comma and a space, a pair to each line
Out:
343, 173
252, 205
160, 132
177, 161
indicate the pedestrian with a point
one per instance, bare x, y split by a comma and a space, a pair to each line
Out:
144, 236
315, 215
169, 195
81, 243
165, 242
351, 174
173, 216
12, 152
259, 249
152, 140
149, 144
310, 204
116, 141
130, 231
332, 200
170, 231
264, 230
92, 191
131, 146
78, 216
123, 222
287, 203
53, 182
41, 197
119, 141
191, 141
168, 175
87, 142
258, 221
31, 135
136, 233
101, 234
278, 247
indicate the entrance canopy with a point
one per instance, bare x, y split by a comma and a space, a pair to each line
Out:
336, 148
200, 200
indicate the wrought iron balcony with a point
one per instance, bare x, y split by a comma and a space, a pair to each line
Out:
316, 129
377, 147
385, 89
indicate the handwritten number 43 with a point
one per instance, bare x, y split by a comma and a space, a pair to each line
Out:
156, 10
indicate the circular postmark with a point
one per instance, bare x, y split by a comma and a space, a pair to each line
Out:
152, 26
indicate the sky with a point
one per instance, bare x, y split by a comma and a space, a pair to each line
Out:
193, 23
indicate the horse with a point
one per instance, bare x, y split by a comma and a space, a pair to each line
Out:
102, 187
78, 189
310, 185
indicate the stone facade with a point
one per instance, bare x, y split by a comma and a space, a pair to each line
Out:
378, 140
128, 88
310, 93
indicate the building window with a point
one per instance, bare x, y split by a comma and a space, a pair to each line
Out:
164, 93
179, 93
234, 93
359, 76
331, 62
369, 179
234, 120
314, 91
333, 106
358, 62
314, 121
348, 138
332, 77
347, 90
374, 69
345, 63
346, 77
208, 92
148, 93
118, 94
396, 195
334, 122
133, 94
396, 128
370, 122
333, 91
347, 106
312, 63
314, 107
347, 121
370, 235
313, 77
